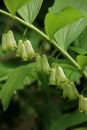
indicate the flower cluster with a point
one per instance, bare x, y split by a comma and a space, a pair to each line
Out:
25, 50
8, 41
58, 78
42, 63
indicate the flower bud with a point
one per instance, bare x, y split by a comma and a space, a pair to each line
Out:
10, 42
38, 62
45, 64
29, 49
24, 54
13, 39
4, 43
19, 49
82, 104
60, 76
53, 76
70, 91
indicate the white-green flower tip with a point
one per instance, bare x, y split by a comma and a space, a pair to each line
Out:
82, 104
45, 64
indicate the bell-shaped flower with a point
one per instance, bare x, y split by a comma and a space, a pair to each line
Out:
70, 91
61, 77
24, 54
53, 76
4, 43
19, 49
13, 39
29, 49
38, 62
82, 104
45, 64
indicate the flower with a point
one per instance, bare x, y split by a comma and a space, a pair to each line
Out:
24, 54
19, 49
82, 104
53, 76
61, 77
8, 41
45, 64
4, 43
38, 62
29, 49
70, 91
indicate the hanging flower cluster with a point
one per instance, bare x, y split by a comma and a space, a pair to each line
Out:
42, 63
8, 41
25, 50
58, 78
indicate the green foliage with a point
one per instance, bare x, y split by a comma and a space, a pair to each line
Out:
69, 120
16, 4
29, 11
14, 81
82, 60
67, 16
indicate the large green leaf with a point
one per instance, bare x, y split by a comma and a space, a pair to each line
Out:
78, 50
15, 79
69, 120
81, 41
54, 22
60, 4
29, 11
82, 61
14, 5
65, 36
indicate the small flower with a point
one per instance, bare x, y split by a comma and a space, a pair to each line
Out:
45, 64
24, 54
53, 76
38, 62
82, 104
11, 43
13, 39
70, 91
60, 76
19, 49
29, 49
4, 43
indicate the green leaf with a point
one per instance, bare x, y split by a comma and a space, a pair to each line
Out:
78, 50
68, 120
82, 61
81, 41
54, 22
67, 35
14, 5
15, 79
29, 11
77, 4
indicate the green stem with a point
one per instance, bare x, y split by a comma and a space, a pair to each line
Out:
43, 35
